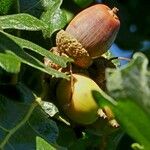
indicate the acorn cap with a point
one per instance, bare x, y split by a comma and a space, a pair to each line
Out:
68, 45
96, 28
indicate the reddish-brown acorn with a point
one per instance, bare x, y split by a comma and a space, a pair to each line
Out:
95, 28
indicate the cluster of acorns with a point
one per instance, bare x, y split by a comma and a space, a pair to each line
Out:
89, 35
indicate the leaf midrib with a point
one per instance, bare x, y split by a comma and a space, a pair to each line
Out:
19, 125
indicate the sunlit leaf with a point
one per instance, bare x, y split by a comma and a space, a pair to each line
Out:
7, 45
21, 22
54, 17
128, 113
9, 63
62, 61
41, 144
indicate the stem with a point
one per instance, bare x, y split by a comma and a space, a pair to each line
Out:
120, 58
71, 78
71, 82
124, 58
19, 125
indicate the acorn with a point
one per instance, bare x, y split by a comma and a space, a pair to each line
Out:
95, 28
88, 35
76, 100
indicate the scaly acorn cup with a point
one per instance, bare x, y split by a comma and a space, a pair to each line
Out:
76, 100
68, 45
95, 28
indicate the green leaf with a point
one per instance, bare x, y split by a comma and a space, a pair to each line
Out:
5, 6
9, 63
128, 113
22, 120
32, 7
69, 14
62, 61
8, 45
54, 17
131, 82
130, 87
22, 22
41, 144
